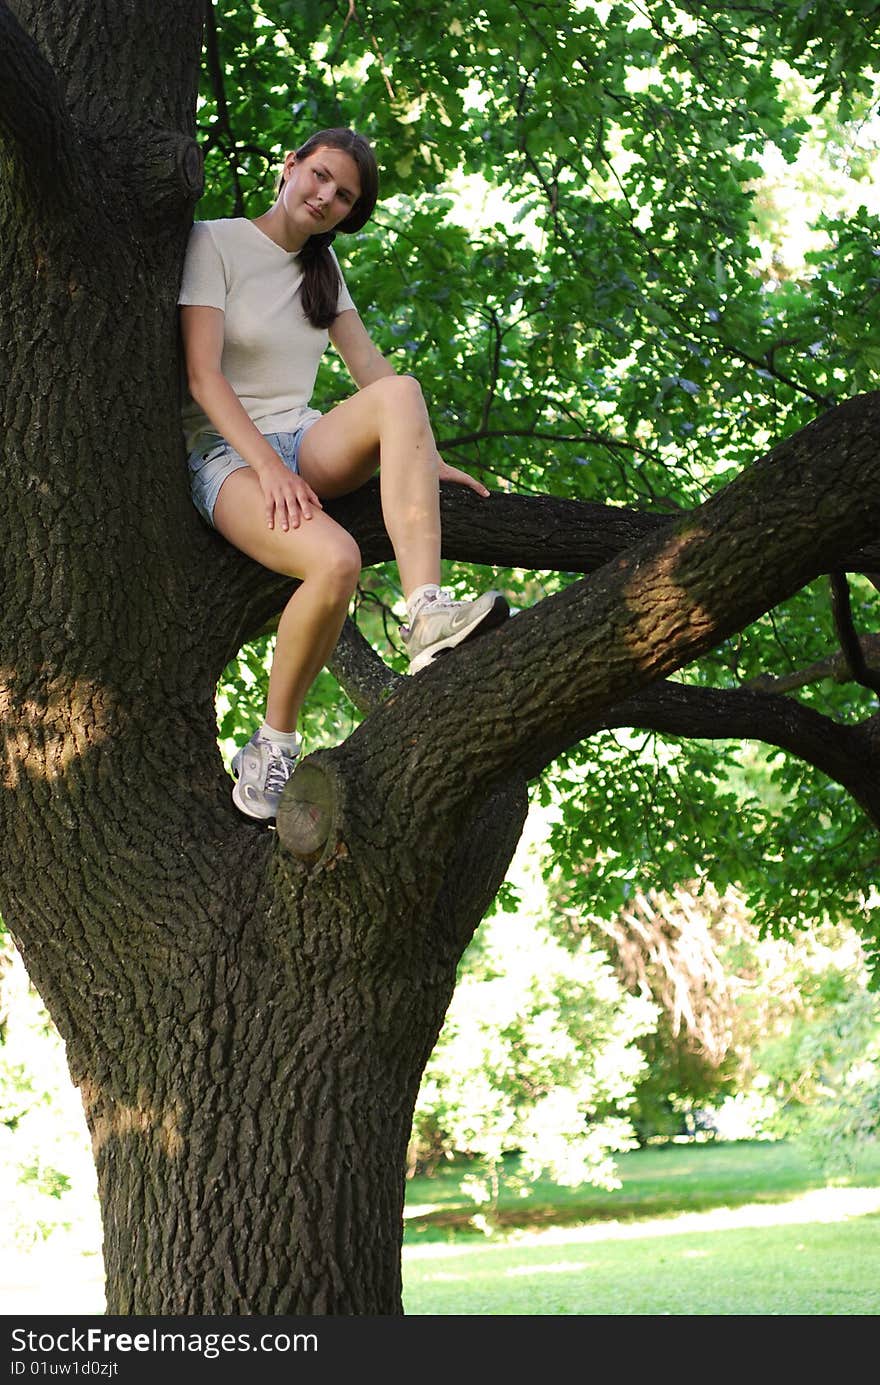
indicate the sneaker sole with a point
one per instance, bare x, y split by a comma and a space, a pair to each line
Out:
496, 615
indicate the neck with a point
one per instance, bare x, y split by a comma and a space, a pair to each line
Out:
273, 224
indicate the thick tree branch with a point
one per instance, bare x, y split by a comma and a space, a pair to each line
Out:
359, 671
530, 687
545, 532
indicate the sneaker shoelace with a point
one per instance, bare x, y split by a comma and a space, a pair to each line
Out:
444, 599
280, 767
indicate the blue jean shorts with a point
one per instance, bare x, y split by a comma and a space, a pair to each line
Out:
208, 470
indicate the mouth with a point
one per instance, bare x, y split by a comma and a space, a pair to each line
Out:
315, 211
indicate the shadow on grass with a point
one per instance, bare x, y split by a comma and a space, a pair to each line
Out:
657, 1182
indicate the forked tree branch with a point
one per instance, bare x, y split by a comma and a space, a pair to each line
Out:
848, 754
835, 667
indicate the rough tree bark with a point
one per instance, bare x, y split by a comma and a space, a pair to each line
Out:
248, 1014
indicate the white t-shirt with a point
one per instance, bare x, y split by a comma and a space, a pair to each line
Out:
271, 351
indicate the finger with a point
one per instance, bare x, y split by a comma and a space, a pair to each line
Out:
270, 512
292, 511
477, 486
472, 481
280, 512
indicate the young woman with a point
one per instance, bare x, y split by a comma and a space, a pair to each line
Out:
260, 300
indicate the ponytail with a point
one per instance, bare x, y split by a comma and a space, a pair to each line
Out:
321, 277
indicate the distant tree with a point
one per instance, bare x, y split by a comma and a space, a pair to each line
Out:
822, 1070
680, 951
538, 1058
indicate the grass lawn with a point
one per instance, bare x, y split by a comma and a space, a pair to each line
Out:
726, 1229
800, 1270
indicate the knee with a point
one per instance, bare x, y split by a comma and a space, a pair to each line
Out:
341, 567
400, 393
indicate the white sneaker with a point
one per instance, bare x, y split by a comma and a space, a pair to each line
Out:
441, 623
261, 770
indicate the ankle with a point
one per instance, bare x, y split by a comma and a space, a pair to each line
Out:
420, 597
288, 740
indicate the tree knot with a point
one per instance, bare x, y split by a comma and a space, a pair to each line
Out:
307, 812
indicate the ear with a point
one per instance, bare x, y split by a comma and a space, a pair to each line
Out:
289, 161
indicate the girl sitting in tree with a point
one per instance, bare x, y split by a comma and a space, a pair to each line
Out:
260, 299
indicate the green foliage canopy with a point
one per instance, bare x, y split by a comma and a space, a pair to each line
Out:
577, 252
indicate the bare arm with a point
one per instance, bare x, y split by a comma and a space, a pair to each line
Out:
202, 331
364, 362
286, 495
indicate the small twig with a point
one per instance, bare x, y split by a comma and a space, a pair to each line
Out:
541, 435
850, 644
835, 666
495, 367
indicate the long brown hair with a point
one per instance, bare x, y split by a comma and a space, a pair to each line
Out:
320, 290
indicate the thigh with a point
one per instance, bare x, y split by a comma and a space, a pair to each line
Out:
340, 451
240, 516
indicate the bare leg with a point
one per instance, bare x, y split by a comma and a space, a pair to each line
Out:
386, 422
326, 559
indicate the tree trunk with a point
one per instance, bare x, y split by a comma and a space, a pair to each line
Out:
248, 1052
258, 1166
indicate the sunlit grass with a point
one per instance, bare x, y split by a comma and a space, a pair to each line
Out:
802, 1269
723, 1229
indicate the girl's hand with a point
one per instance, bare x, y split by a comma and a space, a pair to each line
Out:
461, 478
289, 498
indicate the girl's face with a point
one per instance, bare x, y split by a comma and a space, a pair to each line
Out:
320, 190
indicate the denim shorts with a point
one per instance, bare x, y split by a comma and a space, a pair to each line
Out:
208, 470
